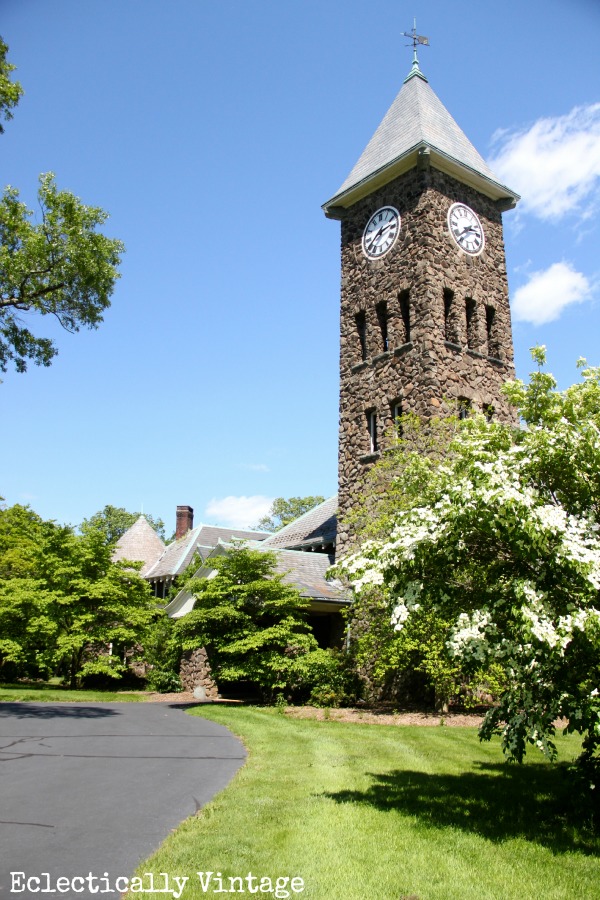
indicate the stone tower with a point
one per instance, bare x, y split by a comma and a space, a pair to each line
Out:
425, 319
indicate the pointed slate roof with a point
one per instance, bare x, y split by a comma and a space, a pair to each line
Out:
140, 543
417, 122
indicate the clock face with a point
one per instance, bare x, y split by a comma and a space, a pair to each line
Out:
466, 229
381, 232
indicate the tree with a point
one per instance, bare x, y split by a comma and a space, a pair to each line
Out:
502, 541
252, 624
60, 266
10, 91
22, 533
284, 511
113, 522
411, 664
64, 605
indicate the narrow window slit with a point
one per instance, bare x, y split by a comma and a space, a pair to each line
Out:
361, 328
471, 315
450, 332
382, 318
404, 300
372, 429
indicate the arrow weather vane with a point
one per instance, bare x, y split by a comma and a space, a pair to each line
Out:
416, 40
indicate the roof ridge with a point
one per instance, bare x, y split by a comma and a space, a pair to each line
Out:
304, 514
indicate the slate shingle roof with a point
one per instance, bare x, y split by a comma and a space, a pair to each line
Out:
306, 571
316, 528
202, 539
416, 120
140, 543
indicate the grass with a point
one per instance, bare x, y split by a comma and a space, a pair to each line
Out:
52, 693
367, 812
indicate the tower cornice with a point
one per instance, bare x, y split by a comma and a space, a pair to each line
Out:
506, 199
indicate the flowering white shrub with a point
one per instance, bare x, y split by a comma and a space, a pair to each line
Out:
503, 540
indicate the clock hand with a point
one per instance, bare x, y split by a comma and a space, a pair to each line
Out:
376, 237
382, 230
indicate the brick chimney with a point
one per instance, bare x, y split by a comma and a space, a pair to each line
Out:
184, 521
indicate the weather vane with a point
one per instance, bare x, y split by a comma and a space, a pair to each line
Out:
416, 40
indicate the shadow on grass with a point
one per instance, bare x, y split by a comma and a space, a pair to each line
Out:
55, 711
498, 802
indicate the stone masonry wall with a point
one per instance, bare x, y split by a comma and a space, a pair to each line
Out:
194, 672
442, 360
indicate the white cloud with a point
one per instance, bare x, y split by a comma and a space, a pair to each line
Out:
547, 293
554, 164
238, 512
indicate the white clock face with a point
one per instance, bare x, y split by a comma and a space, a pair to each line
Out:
466, 229
381, 232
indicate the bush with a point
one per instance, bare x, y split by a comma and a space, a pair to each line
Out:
163, 681
324, 678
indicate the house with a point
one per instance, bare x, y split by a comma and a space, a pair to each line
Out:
304, 551
163, 563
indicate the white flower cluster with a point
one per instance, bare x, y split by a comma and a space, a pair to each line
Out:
423, 524
408, 604
470, 635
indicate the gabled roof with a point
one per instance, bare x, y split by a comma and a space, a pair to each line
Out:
203, 539
305, 570
417, 122
317, 529
140, 543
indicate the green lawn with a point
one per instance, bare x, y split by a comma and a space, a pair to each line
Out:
51, 693
367, 812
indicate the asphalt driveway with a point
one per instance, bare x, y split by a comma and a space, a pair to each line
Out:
96, 788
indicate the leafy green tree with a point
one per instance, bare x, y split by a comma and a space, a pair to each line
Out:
502, 542
252, 624
412, 664
113, 522
22, 534
10, 91
64, 605
61, 266
283, 511
162, 654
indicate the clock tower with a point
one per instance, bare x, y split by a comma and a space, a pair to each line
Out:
425, 319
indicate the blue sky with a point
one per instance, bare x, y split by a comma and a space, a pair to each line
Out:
212, 133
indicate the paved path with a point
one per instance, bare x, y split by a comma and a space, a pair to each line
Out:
98, 787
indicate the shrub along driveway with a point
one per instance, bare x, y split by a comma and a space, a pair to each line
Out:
97, 787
